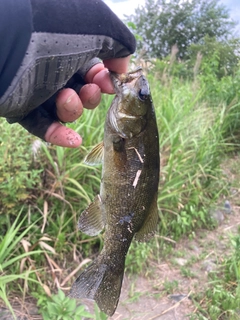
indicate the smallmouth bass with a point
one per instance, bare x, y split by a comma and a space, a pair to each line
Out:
127, 204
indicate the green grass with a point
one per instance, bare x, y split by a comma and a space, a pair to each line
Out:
14, 266
221, 299
51, 186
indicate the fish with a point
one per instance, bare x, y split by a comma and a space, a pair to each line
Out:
126, 206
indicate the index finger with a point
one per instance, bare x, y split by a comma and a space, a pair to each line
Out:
118, 65
99, 74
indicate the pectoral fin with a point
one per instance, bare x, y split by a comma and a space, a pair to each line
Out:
150, 225
91, 219
95, 156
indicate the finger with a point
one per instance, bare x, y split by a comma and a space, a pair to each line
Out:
41, 123
102, 79
62, 136
69, 105
93, 71
99, 75
118, 65
90, 95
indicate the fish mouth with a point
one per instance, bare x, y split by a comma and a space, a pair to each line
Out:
119, 79
133, 81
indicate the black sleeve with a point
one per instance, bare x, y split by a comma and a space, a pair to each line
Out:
89, 17
15, 33
16, 18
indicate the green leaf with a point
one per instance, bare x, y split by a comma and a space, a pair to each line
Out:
61, 295
71, 304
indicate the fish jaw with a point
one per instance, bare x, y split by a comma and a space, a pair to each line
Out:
132, 93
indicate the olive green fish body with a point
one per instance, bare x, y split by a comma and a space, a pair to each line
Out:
127, 204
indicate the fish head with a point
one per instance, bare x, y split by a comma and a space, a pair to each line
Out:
128, 113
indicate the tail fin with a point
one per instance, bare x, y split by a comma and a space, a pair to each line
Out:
100, 282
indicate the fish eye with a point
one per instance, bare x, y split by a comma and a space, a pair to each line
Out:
142, 96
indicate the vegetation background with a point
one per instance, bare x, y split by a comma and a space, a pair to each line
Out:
191, 57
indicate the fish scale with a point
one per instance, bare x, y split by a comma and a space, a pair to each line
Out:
127, 204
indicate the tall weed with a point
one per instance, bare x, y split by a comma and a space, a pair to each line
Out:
191, 149
18, 176
12, 259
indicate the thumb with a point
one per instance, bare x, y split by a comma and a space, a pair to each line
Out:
43, 125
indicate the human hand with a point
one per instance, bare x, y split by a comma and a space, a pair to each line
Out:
60, 72
70, 105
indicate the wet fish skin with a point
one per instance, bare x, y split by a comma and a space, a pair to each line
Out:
127, 204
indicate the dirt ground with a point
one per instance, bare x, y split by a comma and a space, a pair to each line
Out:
189, 274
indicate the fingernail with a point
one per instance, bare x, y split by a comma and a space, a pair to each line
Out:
95, 98
94, 102
69, 99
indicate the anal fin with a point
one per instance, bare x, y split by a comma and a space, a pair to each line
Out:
91, 220
150, 225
